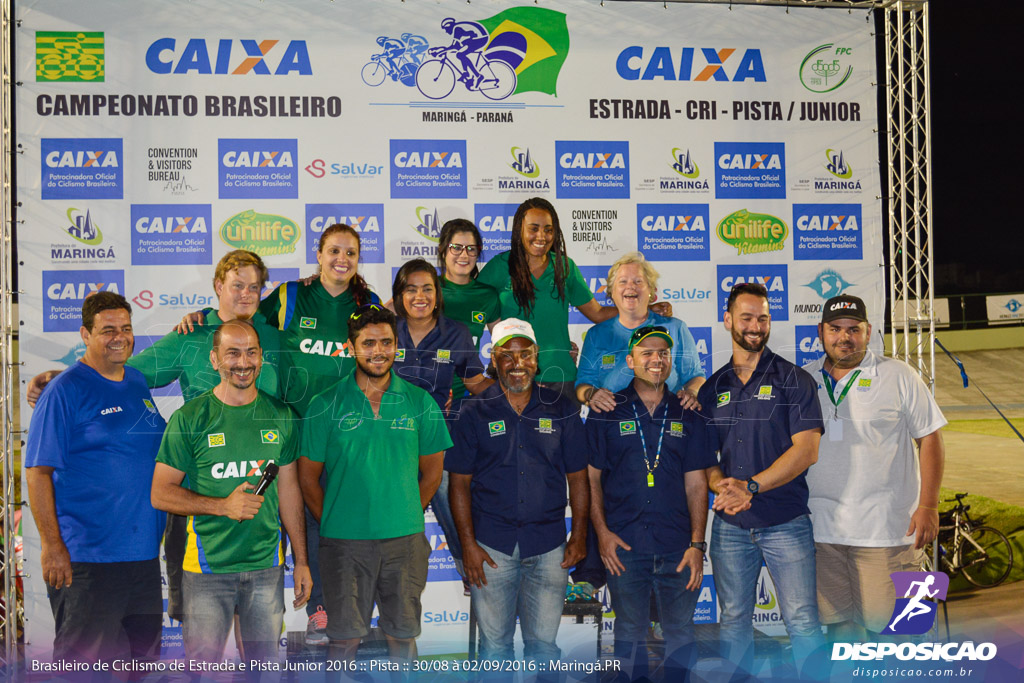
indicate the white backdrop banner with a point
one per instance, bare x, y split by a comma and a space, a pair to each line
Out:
726, 144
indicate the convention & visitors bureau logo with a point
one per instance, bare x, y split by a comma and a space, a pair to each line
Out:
265, 169
704, 64
774, 277
521, 49
826, 67
495, 224
750, 170
673, 232
82, 168
228, 57
752, 233
171, 234
596, 278
592, 170
428, 169
264, 234
65, 290
70, 56
827, 232
367, 219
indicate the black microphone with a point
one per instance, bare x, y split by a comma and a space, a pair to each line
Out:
269, 475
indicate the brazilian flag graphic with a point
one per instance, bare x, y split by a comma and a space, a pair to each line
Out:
532, 40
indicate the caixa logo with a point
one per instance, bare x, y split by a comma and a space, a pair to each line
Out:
774, 277
827, 232
690, 64
592, 170
495, 224
702, 340
65, 290
171, 234
428, 169
367, 219
277, 277
82, 168
228, 57
596, 278
258, 168
673, 232
750, 170
808, 345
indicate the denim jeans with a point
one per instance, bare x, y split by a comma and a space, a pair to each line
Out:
211, 601
532, 588
631, 599
316, 596
443, 512
788, 551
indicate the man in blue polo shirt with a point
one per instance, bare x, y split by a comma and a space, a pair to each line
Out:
768, 419
91, 449
515, 446
649, 505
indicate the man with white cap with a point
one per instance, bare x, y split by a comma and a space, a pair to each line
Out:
516, 444
872, 497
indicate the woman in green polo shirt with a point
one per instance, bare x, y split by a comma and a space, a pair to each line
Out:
537, 282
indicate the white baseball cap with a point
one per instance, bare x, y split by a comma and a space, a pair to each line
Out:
511, 328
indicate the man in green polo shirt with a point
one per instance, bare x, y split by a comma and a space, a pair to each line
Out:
215, 452
382, 441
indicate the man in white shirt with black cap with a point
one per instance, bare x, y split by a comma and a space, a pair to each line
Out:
873, 499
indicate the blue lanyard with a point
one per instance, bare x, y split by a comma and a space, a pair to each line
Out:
643, 442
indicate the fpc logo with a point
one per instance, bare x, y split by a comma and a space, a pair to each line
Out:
234, 57
65, 290
592, 170
495, 224
827, 232
367, 219
265, 169
750, 170
171, 234
774, 277
596, 278
69, 56
428, 169
913, 614
673, 232
82, 168
826, 68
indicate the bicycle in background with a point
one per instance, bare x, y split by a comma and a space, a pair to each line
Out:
982, 554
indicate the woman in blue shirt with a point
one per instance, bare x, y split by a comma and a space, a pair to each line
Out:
632, 282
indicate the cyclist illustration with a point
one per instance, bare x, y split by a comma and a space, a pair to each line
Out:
436, 78
415, 47
394, 50
914, 607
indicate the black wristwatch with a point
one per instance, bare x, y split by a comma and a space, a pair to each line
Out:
699, 545
753, 487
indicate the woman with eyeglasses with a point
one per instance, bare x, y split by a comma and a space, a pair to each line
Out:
632, 282
538, 282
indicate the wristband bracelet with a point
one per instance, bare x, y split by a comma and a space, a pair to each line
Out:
928, 508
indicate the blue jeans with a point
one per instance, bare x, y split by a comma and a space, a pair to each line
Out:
211, 601
532, 588
631, 599
788, 551
443, 512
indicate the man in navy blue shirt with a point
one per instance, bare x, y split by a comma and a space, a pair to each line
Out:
91, 450
768, 419
649, 505
515, 446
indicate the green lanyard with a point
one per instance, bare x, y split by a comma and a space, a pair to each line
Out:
830, 386
643, 442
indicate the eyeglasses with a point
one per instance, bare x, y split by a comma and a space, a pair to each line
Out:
471, 250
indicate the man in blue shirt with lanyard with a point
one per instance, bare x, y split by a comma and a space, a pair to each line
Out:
766, 413
91, 449
649, 505
516, 444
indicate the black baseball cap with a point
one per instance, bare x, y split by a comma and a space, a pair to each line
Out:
844, 306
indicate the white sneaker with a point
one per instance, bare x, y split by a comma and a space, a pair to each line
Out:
316, 627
